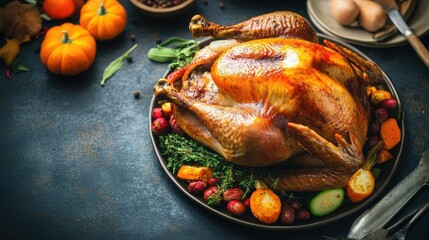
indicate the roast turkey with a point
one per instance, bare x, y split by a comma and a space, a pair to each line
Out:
276, 94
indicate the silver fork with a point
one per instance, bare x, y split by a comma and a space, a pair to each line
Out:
402, 233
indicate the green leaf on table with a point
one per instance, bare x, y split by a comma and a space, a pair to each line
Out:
16, 67
115, 65
31, 1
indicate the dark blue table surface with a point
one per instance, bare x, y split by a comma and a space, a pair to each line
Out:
76, 160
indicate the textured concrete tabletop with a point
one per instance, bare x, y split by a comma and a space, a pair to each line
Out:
76, 160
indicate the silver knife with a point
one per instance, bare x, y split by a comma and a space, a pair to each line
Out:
377, 216
391, 8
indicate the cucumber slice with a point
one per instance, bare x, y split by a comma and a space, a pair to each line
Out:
326, 202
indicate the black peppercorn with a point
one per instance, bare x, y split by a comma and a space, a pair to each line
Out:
136, 94
222, 5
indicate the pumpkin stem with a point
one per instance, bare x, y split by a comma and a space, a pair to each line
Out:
102, 10
66, 38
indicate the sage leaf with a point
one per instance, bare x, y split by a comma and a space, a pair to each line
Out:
115, 65
162, 54
176, 50
15, 67
45, 17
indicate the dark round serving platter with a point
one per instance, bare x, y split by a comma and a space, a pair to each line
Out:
388, 169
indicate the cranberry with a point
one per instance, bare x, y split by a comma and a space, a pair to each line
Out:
302, 214
160, 126
232, 194
211, 196
389, 103
381, 115
295, 204
197, 187
213, 182
157, 113
236, 207
287, 216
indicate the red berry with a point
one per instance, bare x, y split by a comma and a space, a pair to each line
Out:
372, 141
213, 182
197, 187
302, 214
210, 194
374, 127
287, 216
389, 103
236, 207
247, 203
295, 204
160, 126
157, 113
232, 194
381, 115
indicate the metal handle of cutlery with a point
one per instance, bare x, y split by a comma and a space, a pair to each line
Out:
419, 48
414, 41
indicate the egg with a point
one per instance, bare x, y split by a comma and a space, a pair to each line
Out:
372, 16
344, 12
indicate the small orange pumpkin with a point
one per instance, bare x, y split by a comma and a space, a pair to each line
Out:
68, 49
104, 19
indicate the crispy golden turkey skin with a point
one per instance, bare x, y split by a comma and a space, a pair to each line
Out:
264, 101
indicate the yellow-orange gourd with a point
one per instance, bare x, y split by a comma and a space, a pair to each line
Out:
104, 19
68, 49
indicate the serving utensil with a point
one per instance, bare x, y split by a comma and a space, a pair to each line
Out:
392, 202
402, 233
391, 8
381, 233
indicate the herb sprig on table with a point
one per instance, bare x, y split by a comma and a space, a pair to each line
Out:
180, 150
176, 50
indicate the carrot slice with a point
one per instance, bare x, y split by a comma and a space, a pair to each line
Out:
390, 133
194, 173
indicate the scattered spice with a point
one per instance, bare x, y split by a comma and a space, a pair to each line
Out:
158, 40
205, 2
129, 59
136, 94
133, 37
222, 5
162, 3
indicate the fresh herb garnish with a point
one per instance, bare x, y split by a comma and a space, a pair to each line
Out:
180, 150
176, 50
115, 65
